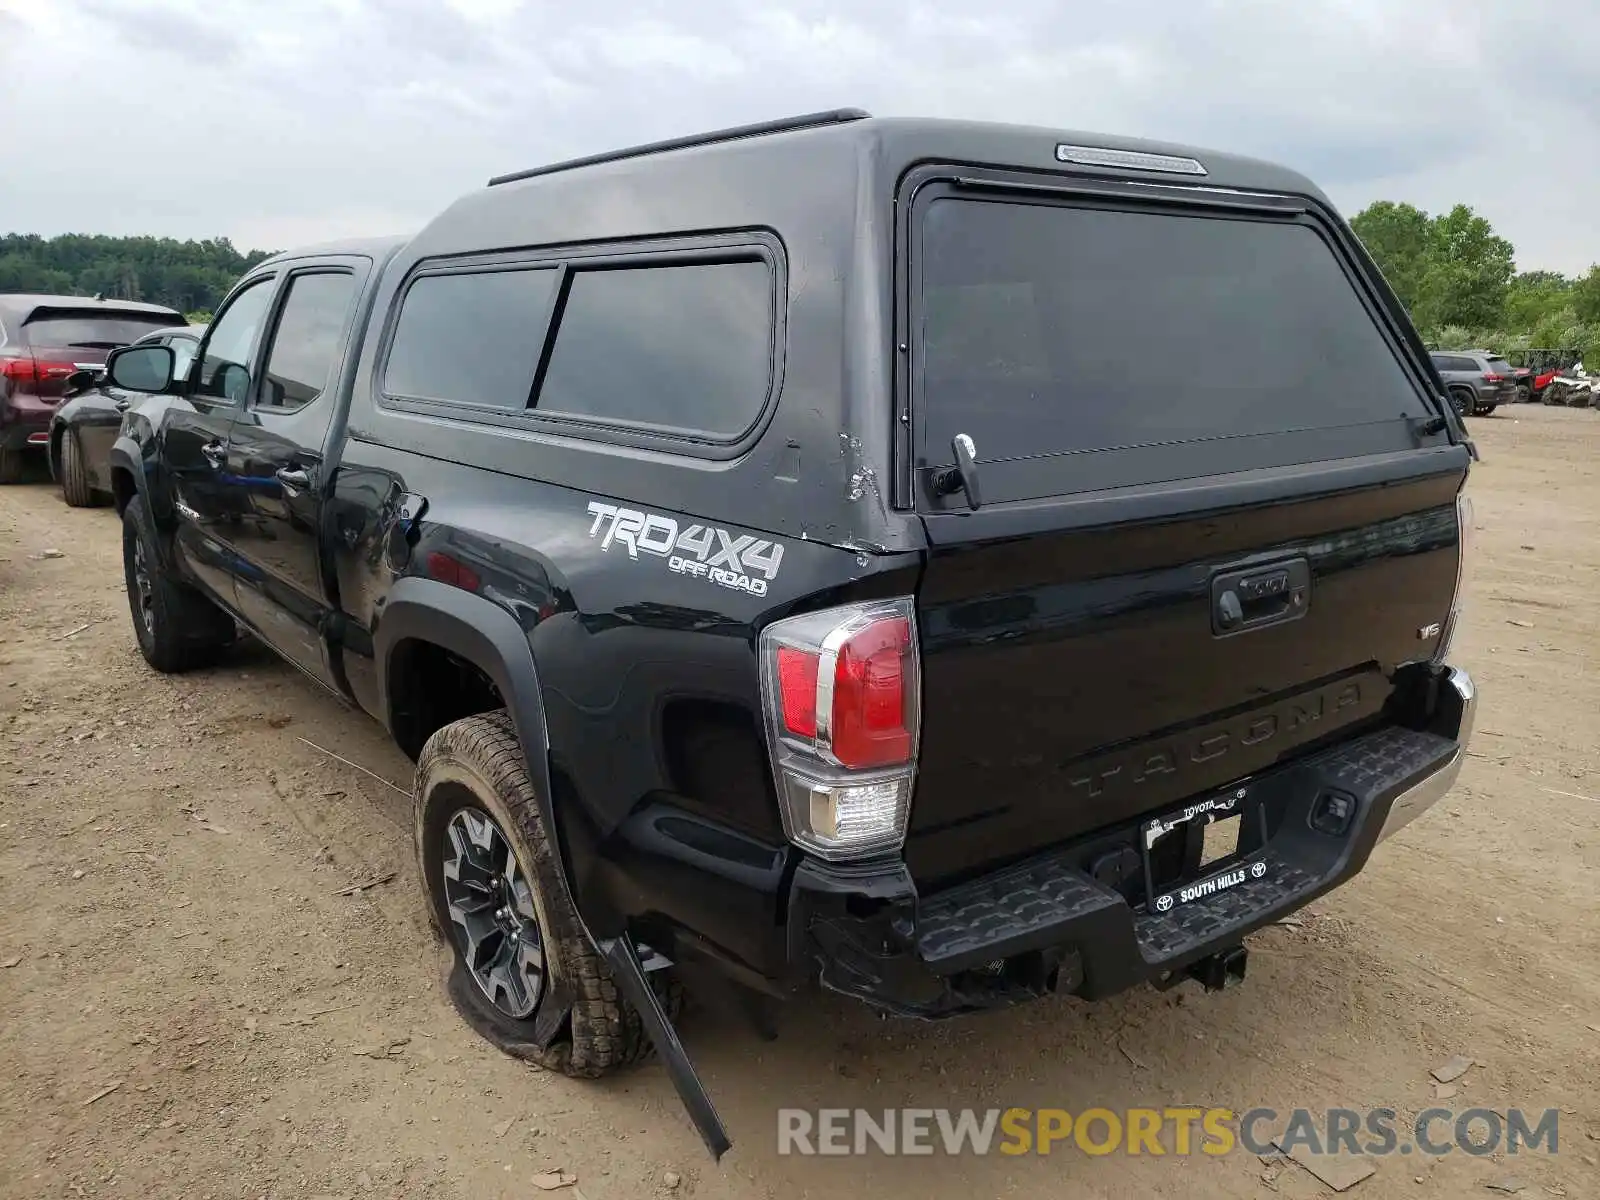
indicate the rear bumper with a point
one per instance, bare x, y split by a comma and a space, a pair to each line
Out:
1050, 925
1505, 394
25, 421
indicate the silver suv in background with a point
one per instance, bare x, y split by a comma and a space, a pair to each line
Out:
1479, 381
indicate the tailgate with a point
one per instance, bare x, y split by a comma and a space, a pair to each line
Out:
1077, 677
1213, 513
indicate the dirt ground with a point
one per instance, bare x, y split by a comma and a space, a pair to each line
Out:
171, 853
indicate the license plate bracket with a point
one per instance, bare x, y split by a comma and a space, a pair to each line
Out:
1207, 878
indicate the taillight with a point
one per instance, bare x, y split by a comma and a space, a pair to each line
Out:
32, 371
1491, 377
1466, 537
842, 693
446, 568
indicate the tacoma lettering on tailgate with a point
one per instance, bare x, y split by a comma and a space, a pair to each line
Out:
1291, 721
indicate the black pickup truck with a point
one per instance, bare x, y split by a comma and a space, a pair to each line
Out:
756, 542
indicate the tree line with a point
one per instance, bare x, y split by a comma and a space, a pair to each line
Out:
190, 276
1458, 280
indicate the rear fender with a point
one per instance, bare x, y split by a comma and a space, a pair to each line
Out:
486, 635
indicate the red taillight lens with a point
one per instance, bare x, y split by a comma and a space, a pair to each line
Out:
870, 728
797, 691
1491, 377
447, 568
33, 371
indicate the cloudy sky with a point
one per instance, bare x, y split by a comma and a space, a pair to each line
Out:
277, 122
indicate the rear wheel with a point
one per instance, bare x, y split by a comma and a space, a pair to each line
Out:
497, 894
178, 628
75, 489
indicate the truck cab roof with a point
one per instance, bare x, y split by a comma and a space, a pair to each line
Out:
368, 247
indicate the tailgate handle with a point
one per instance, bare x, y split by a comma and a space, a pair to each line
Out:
1260, 596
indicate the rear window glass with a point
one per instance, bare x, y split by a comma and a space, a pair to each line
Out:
684, 347
94, 332
1501, 367
471, 338
1048, 330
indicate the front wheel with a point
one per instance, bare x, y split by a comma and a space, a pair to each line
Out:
178, 628
1463, 402
497, 893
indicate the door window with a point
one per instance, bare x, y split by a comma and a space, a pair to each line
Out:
307, 341
231, 345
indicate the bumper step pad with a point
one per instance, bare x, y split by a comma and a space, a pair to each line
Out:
1048, 901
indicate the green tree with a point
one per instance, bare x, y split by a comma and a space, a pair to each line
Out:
1534, 295
1586, 297
1397, 237
1450, 269
1467, 274
186, 275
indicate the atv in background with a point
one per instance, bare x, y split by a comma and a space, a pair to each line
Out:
1536, 368
1573, 388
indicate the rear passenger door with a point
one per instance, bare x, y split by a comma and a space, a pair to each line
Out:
277, 458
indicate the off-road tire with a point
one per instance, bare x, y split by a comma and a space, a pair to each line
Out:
185, 629
482, 754
75, 489
10, 465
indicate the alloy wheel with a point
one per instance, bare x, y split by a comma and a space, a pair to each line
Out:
144, 587
492, 915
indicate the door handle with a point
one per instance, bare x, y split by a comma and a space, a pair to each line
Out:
294, 479
122, 403
215, 453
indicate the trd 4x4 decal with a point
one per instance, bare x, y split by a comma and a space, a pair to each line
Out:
704, 551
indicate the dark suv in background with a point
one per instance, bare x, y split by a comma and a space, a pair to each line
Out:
45, 339
1479, 381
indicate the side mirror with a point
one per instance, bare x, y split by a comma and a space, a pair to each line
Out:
80, 381
141, 368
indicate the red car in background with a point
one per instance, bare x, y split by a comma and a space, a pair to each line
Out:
43, 340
